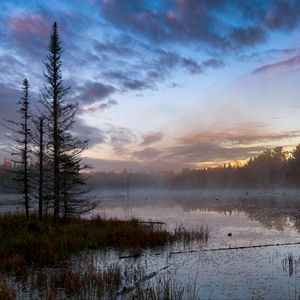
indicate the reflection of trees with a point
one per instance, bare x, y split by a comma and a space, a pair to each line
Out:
273, 210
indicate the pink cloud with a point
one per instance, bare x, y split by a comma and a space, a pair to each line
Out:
24, 24
98, 106
288, 63
152, 138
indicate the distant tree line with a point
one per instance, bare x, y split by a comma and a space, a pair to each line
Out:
47, 158
271, 168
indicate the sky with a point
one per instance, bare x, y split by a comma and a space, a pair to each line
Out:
162, 84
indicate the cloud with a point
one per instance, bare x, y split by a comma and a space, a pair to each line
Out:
128, 80
135, 84
273, 54
129, 62
115, 136
246, 134
96, 136
29, 32
192, 66
282, 15
23, 25
154, 68
98, 106
147, 154
94, 91
114, 48
152, 138
8, 100
287, 63
210, 23
248, 36
213, 63
210, 152
202, 148
119, 138
195, 149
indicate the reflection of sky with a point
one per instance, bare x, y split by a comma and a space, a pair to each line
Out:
207, 82
257, 213
265, 272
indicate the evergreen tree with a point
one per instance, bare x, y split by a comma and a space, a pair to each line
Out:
63, 149
20, 148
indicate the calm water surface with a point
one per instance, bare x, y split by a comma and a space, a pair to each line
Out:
252, 217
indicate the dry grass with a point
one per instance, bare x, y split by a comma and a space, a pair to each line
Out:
83, 281
7, 292
21, 248
186, 235
166, 289
26, 250
87, 281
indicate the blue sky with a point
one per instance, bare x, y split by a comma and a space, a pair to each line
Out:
163, 84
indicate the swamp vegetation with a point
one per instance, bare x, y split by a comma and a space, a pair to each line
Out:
36, 255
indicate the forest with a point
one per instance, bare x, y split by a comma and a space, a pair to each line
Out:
270, 169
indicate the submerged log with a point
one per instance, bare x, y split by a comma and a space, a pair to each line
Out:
152, 222
125, 290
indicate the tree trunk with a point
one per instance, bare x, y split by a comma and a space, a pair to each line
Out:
41, 167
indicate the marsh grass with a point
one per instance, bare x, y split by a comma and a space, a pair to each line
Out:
84, 280
166, 288
21, 248
7, 292
90, 282
200, 233
36, 255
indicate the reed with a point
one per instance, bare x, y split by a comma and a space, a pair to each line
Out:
7, 292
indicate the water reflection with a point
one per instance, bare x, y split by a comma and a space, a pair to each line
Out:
278, 210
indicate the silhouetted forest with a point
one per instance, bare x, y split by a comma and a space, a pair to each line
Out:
271, 168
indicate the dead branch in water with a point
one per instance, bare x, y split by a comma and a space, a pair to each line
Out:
125, 290
152, 222
235, 248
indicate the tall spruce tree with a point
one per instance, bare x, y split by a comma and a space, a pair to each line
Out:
59, 116
63, 150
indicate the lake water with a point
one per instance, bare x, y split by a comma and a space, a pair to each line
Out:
252, 218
